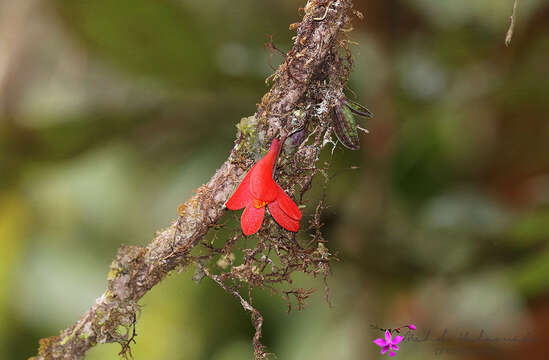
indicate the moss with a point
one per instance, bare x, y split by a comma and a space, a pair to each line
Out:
84, 336
113, 272
248, 132
246, 126
252, 134
298, 119
123, 330
69, 337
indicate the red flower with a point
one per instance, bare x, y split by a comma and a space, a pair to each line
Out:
257, 190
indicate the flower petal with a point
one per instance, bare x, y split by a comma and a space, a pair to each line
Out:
251, 219
395, 348
388, 337
392, 353
412, 327
262, 185
287, 204
379, 342
397, 339
384, 350
242, 196
281, 218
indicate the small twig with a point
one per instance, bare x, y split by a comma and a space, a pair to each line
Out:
257, 318
272, 48
511, 29
126, 348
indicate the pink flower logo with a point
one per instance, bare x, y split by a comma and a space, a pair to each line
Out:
389, 344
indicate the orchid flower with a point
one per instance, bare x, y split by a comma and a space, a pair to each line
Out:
389, 344
258, 190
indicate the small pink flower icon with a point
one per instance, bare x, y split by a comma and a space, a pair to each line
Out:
389, 344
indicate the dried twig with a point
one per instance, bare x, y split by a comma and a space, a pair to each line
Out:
511, 29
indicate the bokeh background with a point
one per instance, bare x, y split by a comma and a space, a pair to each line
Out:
112, 112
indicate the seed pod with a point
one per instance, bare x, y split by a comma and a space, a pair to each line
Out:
345, 127
358, 109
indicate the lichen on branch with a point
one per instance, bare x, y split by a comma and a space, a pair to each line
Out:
305, 87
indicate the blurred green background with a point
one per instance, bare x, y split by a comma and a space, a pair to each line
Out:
111, 112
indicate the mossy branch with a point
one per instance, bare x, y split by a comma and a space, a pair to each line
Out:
306, 86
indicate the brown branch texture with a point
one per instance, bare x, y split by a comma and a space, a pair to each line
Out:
306, 86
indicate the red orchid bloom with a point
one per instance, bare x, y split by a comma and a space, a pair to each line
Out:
257, 190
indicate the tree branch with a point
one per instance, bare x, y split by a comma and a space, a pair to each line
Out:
311, 79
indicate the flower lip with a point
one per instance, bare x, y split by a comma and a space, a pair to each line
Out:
259, 204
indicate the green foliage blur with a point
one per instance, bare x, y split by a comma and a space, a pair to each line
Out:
112, 112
